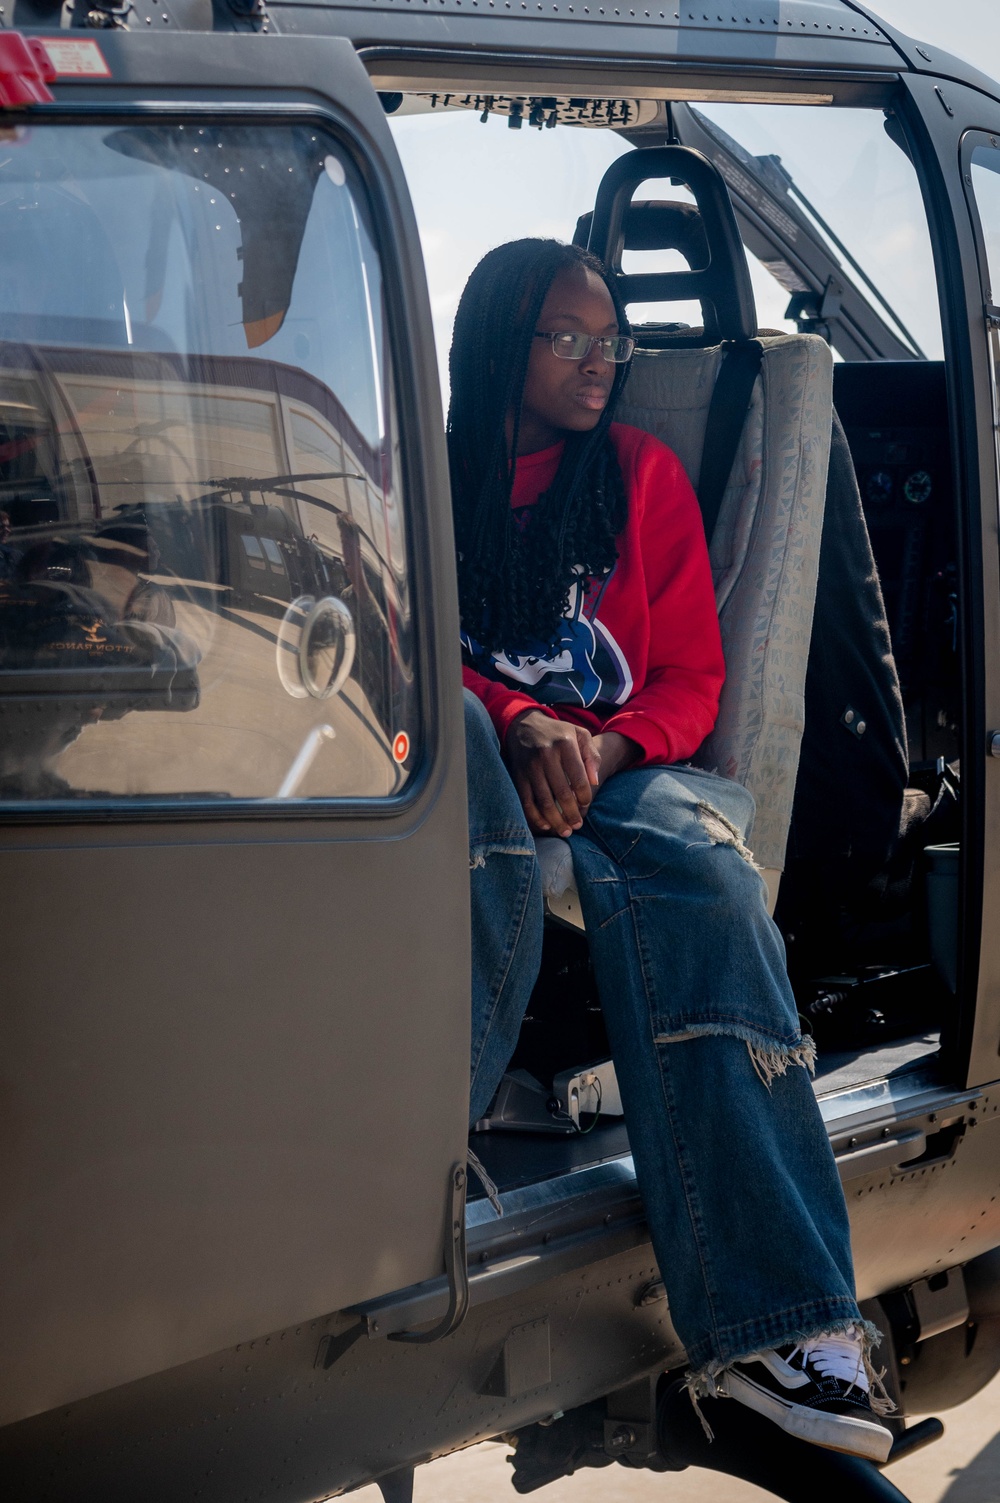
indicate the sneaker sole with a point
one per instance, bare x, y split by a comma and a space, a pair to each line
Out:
835, 1432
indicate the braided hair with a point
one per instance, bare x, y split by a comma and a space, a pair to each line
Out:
514, 583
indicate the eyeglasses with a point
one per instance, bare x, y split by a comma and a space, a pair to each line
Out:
616, 348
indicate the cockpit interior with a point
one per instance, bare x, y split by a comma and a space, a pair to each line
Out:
745, 232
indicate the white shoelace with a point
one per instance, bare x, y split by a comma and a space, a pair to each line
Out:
840, 1356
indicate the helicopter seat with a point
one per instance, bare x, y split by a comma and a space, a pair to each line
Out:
757, 454
764, 553
757, 451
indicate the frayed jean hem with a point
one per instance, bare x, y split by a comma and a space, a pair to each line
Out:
783, 1328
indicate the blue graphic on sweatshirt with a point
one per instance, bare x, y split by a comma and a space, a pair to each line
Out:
584, 666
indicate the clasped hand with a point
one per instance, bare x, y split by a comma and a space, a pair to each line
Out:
557, 767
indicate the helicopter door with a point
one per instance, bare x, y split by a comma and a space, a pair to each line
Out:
233, 841
954, 153
980, 159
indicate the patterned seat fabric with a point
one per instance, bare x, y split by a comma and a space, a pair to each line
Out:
764, 553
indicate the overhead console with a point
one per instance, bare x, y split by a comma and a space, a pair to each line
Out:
540, 111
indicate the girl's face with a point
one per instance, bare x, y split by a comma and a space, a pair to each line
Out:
567, 396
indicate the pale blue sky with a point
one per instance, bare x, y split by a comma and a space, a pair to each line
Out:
967, 28
475, 185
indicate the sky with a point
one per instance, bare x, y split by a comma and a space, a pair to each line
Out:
475, 186
966, 28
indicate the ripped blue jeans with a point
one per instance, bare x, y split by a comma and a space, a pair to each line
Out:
742, 1196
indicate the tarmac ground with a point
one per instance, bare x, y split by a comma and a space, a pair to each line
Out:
962, 1467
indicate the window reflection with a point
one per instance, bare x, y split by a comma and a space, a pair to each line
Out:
199, 493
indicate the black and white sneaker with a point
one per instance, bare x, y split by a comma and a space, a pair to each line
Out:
819, 1392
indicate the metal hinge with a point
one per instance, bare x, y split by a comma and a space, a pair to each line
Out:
454, 1266
332, 1348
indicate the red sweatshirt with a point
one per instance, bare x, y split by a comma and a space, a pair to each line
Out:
640, 651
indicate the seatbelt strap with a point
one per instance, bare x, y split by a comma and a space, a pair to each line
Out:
727, 415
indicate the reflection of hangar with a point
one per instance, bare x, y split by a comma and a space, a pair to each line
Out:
244, 475
90, 432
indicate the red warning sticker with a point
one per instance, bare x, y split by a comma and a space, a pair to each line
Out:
401, 747
76, 59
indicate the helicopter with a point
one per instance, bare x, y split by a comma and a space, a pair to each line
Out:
250, 1248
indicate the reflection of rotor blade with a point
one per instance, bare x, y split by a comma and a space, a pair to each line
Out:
338, 511
268, 482
156, 427
221, 486
220, 489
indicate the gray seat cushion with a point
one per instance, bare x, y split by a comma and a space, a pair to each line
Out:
764, 553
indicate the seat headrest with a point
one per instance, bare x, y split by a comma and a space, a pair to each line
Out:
707, 235
653, 225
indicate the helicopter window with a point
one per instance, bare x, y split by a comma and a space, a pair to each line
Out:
986, 187
830, 183
203, 563
839, 178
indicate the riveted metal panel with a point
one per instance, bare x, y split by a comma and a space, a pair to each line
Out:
263, 1417
805, 33
825, 19
911, 1221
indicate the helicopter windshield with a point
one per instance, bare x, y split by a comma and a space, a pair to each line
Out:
846, 176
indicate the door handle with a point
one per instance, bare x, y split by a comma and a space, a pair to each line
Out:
881, 1154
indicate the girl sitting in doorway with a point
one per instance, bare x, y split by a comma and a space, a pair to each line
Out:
593, 666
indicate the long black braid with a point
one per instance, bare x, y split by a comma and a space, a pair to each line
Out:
514, 584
